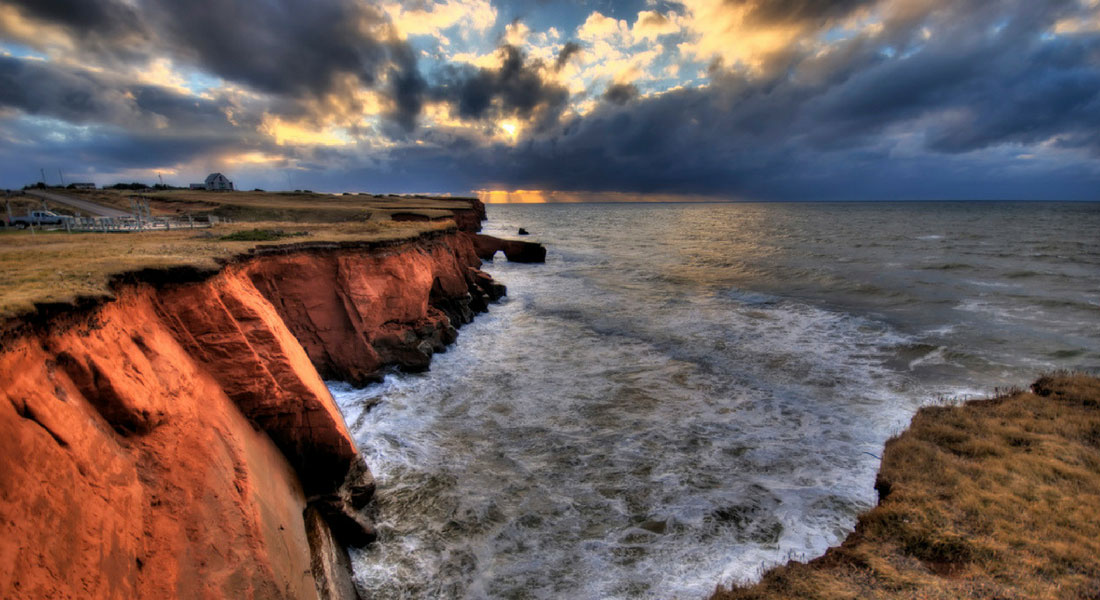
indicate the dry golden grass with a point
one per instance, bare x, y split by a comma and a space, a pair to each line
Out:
273, 206
55, 267
996, 498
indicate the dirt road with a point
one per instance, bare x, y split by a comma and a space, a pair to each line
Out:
93, 209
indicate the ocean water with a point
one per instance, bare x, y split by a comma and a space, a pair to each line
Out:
685, 395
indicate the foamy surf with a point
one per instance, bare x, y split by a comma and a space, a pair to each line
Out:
656, 411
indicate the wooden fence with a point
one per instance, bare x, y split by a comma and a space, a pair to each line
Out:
138, 223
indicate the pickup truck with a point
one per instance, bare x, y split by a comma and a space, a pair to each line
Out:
37, 217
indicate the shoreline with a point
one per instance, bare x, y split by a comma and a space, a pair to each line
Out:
972, 503
179, 432
193, 357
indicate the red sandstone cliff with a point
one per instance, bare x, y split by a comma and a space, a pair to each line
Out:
179, 441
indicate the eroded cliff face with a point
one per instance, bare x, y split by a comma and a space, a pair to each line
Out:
394, 306
168, 443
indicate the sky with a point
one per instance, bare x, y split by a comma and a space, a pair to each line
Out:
538, 100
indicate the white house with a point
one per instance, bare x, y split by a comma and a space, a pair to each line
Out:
218, 182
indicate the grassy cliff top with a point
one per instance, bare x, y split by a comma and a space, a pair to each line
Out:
60, 268
56, 267
276, 206
995, 498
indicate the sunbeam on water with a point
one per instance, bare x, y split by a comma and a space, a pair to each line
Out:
685, 395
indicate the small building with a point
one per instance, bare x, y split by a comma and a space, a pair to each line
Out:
82, 186
215, 182
218, 182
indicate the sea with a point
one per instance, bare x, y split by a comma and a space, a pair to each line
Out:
685, 395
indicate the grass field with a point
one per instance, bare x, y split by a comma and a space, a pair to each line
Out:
56, 267
996, 498
274, 206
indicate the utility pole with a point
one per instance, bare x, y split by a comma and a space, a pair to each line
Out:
61, 177
161, 180
43, 172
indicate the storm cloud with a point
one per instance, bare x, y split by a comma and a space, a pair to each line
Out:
292, 49
813, 11
516, 87
80, 96
942, 98
783, 137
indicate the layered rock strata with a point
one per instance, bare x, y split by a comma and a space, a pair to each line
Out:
179, 440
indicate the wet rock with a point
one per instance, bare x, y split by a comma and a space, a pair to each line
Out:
523, 231
329, 561
484, 282
403, 348
350, 526
525, 252
358, 488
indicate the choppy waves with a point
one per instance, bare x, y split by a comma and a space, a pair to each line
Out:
655, 411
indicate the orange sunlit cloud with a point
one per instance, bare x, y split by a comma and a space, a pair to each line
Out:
724, 32
288, 133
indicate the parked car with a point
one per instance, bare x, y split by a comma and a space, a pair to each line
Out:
37, 217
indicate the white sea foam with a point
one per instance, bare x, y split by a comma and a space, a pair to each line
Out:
671, 402
647, 458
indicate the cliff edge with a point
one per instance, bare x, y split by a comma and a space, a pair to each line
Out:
178, 440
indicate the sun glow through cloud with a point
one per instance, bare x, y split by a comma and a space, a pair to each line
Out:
717, 97
298, 134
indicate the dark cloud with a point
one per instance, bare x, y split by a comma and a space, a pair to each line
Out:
956, 103
296, 51
84, 97
407, 88
516, 85
106, 123
36, 87
620, 93
292, 47
800, 11
567, 51
108, 148
895, 112
82, 16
